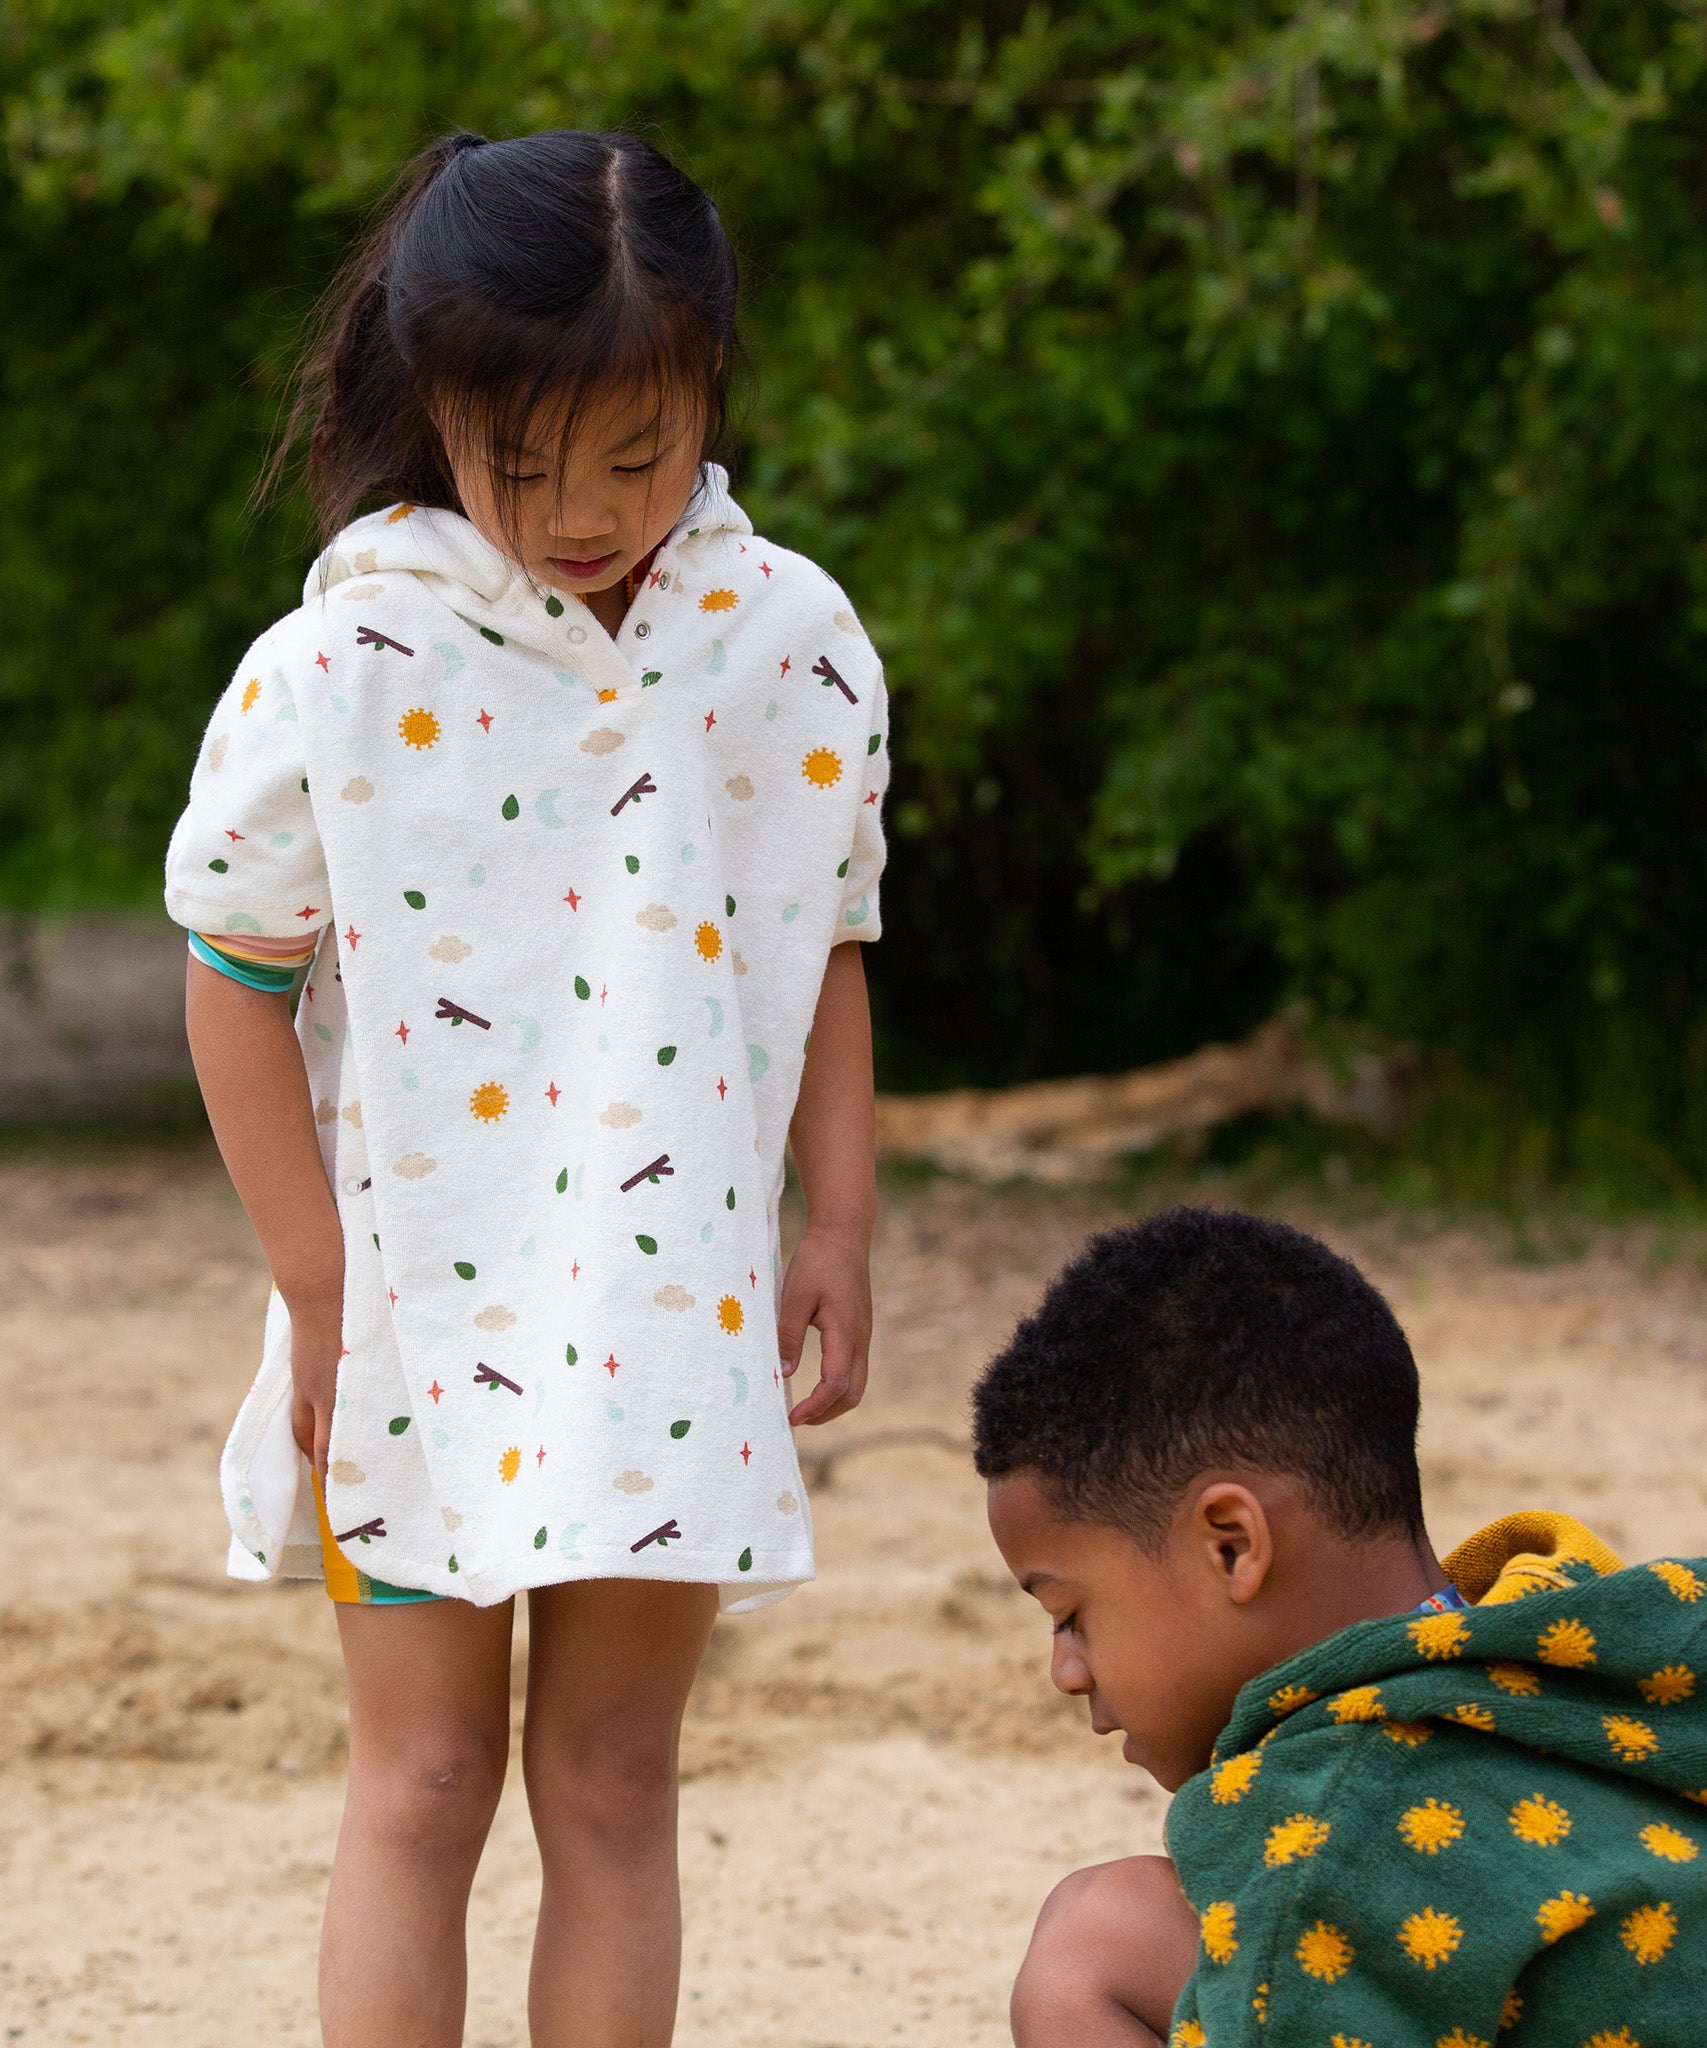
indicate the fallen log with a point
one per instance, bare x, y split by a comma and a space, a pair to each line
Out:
1082, 1128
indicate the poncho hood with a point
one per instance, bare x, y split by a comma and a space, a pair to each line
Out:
475, 579
1567, 1651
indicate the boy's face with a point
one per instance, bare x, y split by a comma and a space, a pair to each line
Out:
1160, 1642
627, 479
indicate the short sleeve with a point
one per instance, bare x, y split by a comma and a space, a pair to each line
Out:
246, 857
860, 916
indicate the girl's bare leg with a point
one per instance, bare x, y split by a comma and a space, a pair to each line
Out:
1109, 1957
610, 1664
429, 1739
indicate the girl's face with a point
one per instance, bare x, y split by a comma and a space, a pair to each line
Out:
626, 480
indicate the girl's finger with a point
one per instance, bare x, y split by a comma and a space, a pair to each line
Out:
799, 1309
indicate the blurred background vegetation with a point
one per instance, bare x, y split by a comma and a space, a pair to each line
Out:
1268, 444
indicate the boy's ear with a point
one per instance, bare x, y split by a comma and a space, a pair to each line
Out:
1230, 1530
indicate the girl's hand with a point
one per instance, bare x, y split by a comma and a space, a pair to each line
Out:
828, 1286
316, 1345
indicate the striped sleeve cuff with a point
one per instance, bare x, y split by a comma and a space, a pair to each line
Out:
275, 975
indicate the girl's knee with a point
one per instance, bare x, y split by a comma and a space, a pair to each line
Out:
616, 1782
431, 1797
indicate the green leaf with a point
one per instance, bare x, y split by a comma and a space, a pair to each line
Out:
539, 1538
842, 871
729, 1199
399, 1423
652, 675
220, 867
649, 1245
872, 744
452, 1566
631, 861
745, 1561
486, 633
680, 1429
728, 906
570, 1355
415, 899
463, 1270
666, 1053
583, 988
511, 809
554, 607
563, 1181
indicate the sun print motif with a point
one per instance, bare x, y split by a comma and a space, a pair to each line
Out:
489, 1101
251, 690
822, 768
719, 601
1358, 1703
708, 942
1324, 1953
1432, 1826
1517, 1679
1682, 1581
1568, 1644
1229, 1782
1649, 1931
1430, 1937
1668, 1685
1541, 1821
731, 1316
1289, 1699
1299, 1835
510, 1464
1219, 1923
1660, 1838
1439, 1635
419, 728
1557, 1917
1631, 1740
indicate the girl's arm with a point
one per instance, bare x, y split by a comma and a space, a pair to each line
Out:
256, 1090
834, 1138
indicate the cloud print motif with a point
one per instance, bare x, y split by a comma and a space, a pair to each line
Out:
574, 898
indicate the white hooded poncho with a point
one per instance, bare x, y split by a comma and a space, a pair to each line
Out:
575, 897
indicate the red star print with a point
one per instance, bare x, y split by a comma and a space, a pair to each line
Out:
872, 798
603, 992
722, 1087
539, 1457
742, 545
234, 836
343, 1351
353, 936
435, 1390
309, 910
402, 1031
746, 1454
484, 721
573, 901
320, 661
765, 570
308, 991
786, 664
392, 1291
752, 1277
611, 1365
652, 579
710, 720
554, 1091
575, 1270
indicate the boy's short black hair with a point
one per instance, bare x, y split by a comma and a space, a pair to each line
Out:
1202, 1339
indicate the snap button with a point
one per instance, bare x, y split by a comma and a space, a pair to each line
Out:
641, 631
576, 635
664, 580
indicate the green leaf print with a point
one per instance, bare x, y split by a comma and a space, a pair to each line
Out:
220, 867
631, 861
728, 906
563, 1182
570, 1355
652, 675
680, 1429
872, 744
399, 1423
539, 1538
511, 809
666, 1053
744, 1562
554, 607
486, 633
842, 871
729, 1199
415, 899
453, 1561
582, 987
463, 1270
649, 1245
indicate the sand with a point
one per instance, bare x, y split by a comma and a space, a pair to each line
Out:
879, 1786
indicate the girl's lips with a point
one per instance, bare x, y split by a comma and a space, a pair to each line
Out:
595, 565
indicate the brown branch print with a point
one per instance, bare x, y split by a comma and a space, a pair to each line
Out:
374, 1528
666, 1533
454, 1011
484, 1376
826, 668
634, 792
660, 1167
367, 636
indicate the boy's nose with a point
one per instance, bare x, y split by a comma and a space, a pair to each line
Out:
1068, 1670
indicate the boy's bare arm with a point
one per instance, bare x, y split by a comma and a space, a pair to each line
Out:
253, 1081
834, 1140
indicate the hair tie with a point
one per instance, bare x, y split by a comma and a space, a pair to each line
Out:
464, 140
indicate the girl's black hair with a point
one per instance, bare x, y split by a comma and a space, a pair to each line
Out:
499, 279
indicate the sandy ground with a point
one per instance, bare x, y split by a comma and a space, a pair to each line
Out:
880, 1787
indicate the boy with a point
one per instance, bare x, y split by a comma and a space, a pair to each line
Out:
1419, 1804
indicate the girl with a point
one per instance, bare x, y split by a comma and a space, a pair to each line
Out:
564, 788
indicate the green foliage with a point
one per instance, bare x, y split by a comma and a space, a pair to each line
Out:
1267, 444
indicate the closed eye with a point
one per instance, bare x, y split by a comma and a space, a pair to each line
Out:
1068, 1626
635, 468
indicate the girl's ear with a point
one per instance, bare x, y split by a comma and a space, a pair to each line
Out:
1231, 1533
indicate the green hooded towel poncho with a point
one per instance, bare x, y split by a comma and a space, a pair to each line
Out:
1450, 1830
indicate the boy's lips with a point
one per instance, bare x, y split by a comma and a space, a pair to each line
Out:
582, 568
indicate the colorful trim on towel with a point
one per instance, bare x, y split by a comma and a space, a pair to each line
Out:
350, 1587
269, 964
